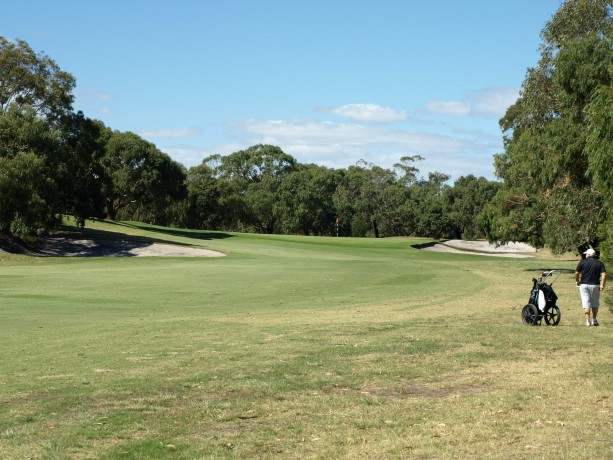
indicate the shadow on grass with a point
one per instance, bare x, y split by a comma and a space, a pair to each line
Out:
98, 234
560, 270
69, 241
425, 245
72, 244
195, 234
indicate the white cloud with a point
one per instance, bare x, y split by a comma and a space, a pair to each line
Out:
185, 154
102, 95
488, 102
493, 101
328, 133
191, 155
339, 145
170, 133
368, 113
451, 108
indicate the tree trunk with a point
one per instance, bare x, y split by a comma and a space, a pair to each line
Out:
111, 212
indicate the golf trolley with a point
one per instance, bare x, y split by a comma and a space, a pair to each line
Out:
542, 303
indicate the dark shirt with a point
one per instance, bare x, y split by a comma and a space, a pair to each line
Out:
590, 270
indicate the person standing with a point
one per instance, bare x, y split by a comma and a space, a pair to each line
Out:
591, 276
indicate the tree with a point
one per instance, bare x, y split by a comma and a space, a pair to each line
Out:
426, 199
26, 141
202, 206
79, 174
164, 188
136, 172
24, 188
35, 96
547, 197
256, 162
408, 171
305, 204
33, 80
254, 176
360, 197
261, 204
464, 201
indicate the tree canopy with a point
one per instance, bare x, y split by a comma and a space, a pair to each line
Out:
54, 161
34, 81
555, 135
556, 186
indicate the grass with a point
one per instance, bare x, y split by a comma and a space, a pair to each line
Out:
295, 347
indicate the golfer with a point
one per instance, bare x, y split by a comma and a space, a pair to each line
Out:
591, 277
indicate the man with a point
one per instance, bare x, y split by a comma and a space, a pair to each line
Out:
591, 277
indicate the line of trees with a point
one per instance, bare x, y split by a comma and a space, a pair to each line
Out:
56, 162
263, 189
556, 186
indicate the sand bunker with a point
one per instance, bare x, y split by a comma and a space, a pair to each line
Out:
65, 247
483, 248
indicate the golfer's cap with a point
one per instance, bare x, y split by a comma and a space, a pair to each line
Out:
589, 252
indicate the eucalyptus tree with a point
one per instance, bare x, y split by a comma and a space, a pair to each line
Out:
360, 197
202, 208
33, 80
35, 97
24, 191
427, 202
163, 192
464, 201
79, 175
254, 176
600, 150
408, 172
548, 197
135, 173
255, 163
305, 205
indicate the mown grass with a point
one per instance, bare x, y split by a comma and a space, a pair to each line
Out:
295, 347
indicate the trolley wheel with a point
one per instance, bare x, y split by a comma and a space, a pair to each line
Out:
530, 315
552, 315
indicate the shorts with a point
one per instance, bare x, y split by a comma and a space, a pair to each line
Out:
590, 295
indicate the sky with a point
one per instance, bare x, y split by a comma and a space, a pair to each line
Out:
331, 82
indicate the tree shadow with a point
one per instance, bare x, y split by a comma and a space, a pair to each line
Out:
98, 234
64, 247
184, 233
68, 241
560, 270
424, 245
67, 246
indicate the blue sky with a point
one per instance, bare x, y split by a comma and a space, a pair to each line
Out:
331, 82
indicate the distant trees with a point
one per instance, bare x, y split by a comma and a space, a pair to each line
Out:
54, 161
262, 189
361, 197
464, 202
305, 200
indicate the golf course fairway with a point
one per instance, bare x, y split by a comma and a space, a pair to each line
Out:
295, 347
